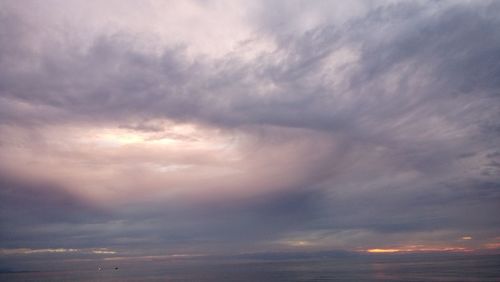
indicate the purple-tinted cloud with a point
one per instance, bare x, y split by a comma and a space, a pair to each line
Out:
381, 127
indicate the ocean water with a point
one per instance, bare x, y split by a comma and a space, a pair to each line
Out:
356, 268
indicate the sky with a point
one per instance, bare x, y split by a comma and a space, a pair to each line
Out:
184, 128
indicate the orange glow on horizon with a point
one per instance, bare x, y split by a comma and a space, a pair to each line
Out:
383, 250
494, 245
410, 249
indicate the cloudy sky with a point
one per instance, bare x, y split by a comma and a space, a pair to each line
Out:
136, 128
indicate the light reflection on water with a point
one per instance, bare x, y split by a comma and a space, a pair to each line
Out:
370, 268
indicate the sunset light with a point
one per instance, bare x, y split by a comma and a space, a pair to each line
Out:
416, 249
383, 250
262, 140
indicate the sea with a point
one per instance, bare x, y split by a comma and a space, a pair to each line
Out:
421, 267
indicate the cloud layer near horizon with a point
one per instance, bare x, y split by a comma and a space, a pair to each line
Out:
217, 127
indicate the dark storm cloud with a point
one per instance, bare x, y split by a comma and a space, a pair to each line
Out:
35, 199
30, 209
397, 135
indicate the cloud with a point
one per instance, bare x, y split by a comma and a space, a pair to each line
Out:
346, 131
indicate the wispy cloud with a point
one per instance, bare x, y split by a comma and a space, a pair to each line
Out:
327, 125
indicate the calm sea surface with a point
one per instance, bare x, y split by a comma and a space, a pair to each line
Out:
363, 268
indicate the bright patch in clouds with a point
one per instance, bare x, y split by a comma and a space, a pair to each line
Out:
103, 252
413, 249
27, 251
383, 250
